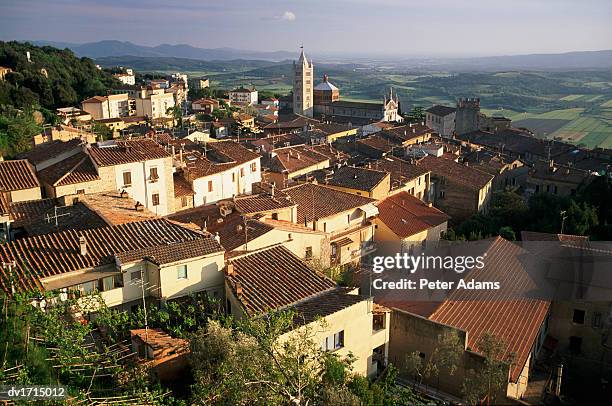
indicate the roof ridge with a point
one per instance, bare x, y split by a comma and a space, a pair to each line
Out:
68, 172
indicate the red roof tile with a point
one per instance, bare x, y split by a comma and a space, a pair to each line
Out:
58, 253
274, 278
318, 201
406, 215
17, 175
76, 169
465, 175
181, 186
517, 322
122, 152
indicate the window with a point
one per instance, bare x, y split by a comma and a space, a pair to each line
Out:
184, 201
80, 192
575, 344
210, 186
596, 320
153, 176
333, 342
107, 284
254, 167
241, 172
274, 216
325, 227
127, 179
578, 317
308, 254
181, 272
233, 177
378, 322
155, 199
135, 276
441, 194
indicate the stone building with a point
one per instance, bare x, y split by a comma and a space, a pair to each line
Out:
466, 115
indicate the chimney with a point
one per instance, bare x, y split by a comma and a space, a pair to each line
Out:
272, 187
230, 270
83, 245
217, 237
429, 204
173, 152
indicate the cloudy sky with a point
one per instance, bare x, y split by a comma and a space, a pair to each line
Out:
392, 27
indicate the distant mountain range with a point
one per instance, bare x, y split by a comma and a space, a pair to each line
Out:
124, 48
561, 61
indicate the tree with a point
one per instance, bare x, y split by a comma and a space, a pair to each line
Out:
416, 115
102, 132
256, 364
490, 377
177, 115
507, 232
17, 129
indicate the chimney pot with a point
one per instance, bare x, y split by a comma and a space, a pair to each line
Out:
83, 245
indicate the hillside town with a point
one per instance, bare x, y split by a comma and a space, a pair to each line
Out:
168, 191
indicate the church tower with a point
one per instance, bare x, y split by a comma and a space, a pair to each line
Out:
303, 73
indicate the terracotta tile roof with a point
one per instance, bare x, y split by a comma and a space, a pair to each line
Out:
325, 304
229, 227
515, 321
36, 217
462, 174
558, 173
50, 150
262, 203
406, 215
114, 208
357, 178
175, 252
181, 186
218, 157
126, 151
95, 99
289, 226
517, 142
76, 169
318, 201
294, 158
58, 253
162, 343
440, 110
332, 153
17, 175
377, 142
275, 278
4, 204
401, 171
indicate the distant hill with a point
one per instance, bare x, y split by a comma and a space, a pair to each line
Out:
546, 62
142, 63
542, 62
107, 48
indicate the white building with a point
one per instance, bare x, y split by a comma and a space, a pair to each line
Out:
126, 78
111, 106
154, 103
244, 96
226, 169
141, 167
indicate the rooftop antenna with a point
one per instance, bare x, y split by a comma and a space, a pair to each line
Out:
55, 216
141, 283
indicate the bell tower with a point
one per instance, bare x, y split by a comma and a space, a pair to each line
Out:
303, 74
